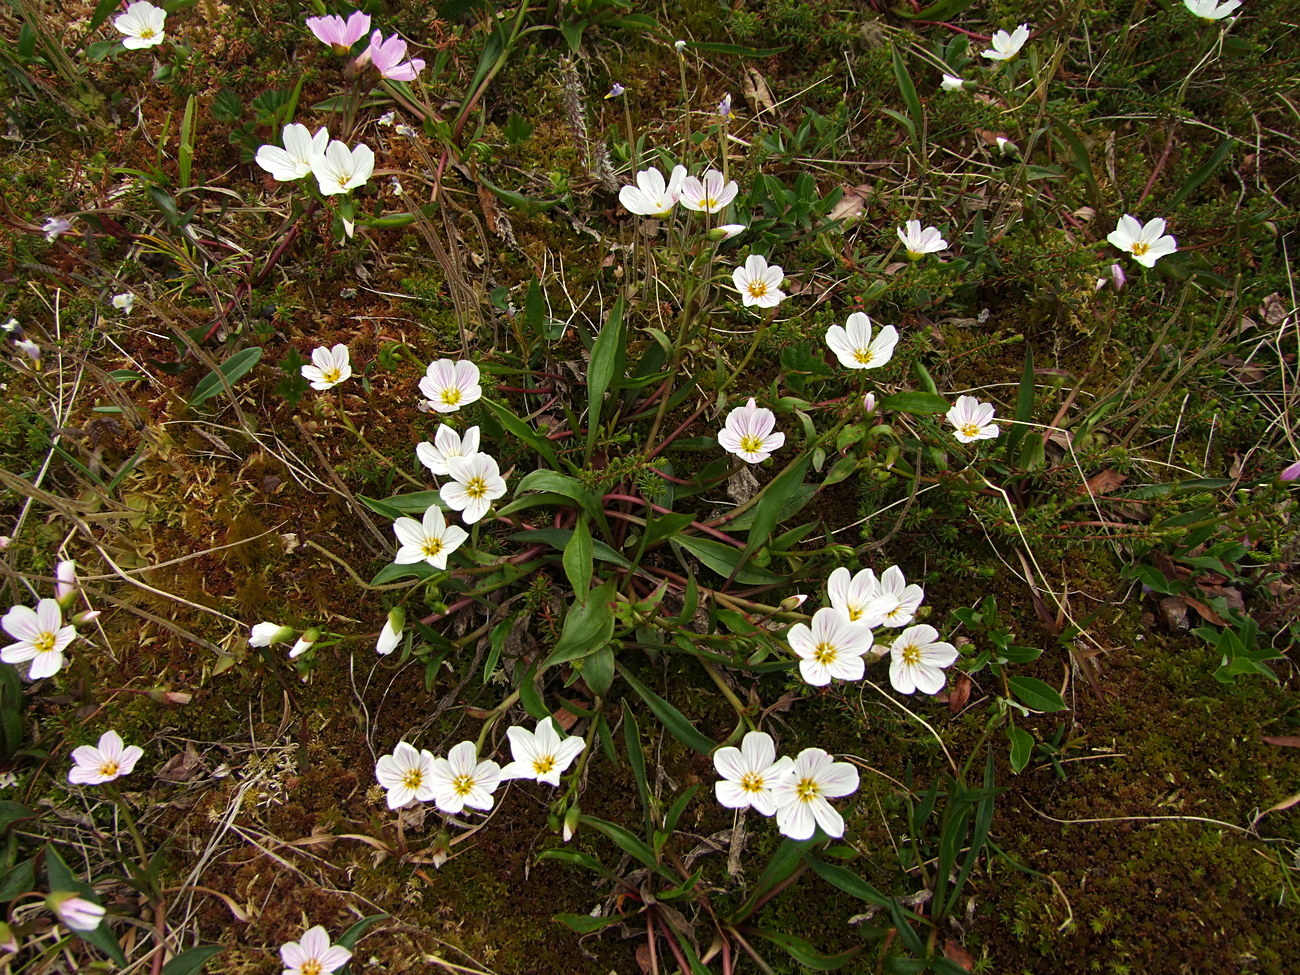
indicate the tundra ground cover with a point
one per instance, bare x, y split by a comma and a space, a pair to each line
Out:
592, 486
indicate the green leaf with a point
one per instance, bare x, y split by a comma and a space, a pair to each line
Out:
12, 812
607, 356
1024, 404
915, 402
661, 526
185, 150
636, 759
191, 961
61, 878
102, 11
588, 626
847, 881
598, 670
677, 723
736, 49
1035, 694
625, 838
576, 859
1022, 748
775, 498
804, 953
414, 570
417, 502
348, 939
941, 10
558, 538
577, 557
585, 923
234, 368
19, 879
1205, 172
783, 862
724, 560
564, 485
523, 431
908, 90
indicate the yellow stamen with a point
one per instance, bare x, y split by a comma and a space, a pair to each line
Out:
863, 356
44, 642
544, 764
109, 770
825, 653
757, 289
462, 785
751, 782
476, 488
450, 396
751, 444
806, 790
432, 547
412, 778
1140, 247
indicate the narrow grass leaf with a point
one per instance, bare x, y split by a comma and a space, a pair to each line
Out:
908, 90
607, 357
804, 953
227, 374
1211, 167
192, 961
677, 723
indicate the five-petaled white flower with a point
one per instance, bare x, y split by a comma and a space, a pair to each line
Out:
709, 194
917, 658
449, 385
75, 911
542, 755
329, 367
125, 302
338, 33
973, 420
801, 794
142, 24
950, 82
407, 774
431, 541
41, 636
749, 773
1211, 9
652, 197
758, 282
748, 433
294, 160
446, 444
313, 955
1143, 240
339, 169
920, 242
1007, 46
112, 759
858, 597
461, 780
855, 348
475, 483
899, 601
832, 647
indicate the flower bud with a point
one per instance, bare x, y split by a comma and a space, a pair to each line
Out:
304, 643
89, 616
75, 911
8, 940
791, 603
65, 583
724, 106
264, 634
869, 402
160, 695
726, 231
679, 46
1291, 472
571, 822
616, 90
391, 635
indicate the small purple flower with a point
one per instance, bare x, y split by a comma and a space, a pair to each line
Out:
1291, 473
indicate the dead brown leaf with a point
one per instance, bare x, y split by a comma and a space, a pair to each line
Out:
1103, 482
1286, 741
960, 693
1207, 614
851, 203
756, 91
958, 955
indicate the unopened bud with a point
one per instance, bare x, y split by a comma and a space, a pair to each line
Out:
304, 643
264, 634
679, 46
391, 635
89, 616
65, 583
791, 603
726, 231
160, 695
571, 822
869, 402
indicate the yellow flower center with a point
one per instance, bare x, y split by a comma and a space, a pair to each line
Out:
911, 654
109, 769
476, 488
863, 356
751, 443
462, 785
807, 790
147, 33
757, 289
708, 203
432, 547
331, 375
450, 396
751, 782
412, 778
824, 653
970, 429
544, 764
1140, 247
311, 967
343, 180
44, 642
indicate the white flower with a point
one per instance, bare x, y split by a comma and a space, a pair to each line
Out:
449, 385
8, 780
832, 647
111, 760
304, 643
339, 169
75, 912
294, 160
446, 444
1211, 9
900, 600
652, 197
391, 635
41, 636
124, 302
142, 24
407, 774
542, 755
973, 420
313, 955
920, 242
264, 634
476, 483
748, 433
1006, 147
749, 773
950, 82
431, 541
1143, 241
329, 367
709, 194
758, 282
615, 91
858, 597
54, 227
854, 347
916, 659
461, 780
1007, 46
801, 794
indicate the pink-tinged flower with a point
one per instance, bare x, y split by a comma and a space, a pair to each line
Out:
973, 420
142, 24
748, 433
832, 647
801, 794
55, 227
461, 780
856, 349
1291, 472
329, 367
112, 759
387, 54
749, 773
41, 636
475, 483
313, 955
758, 282
431, 540
1147, 242
339, 169
448, 385
65, 582
709, 194
652, 197
917, 659
542, 754
901, 599
407, 774
75, 911
338, 33
446, 444
726, 231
